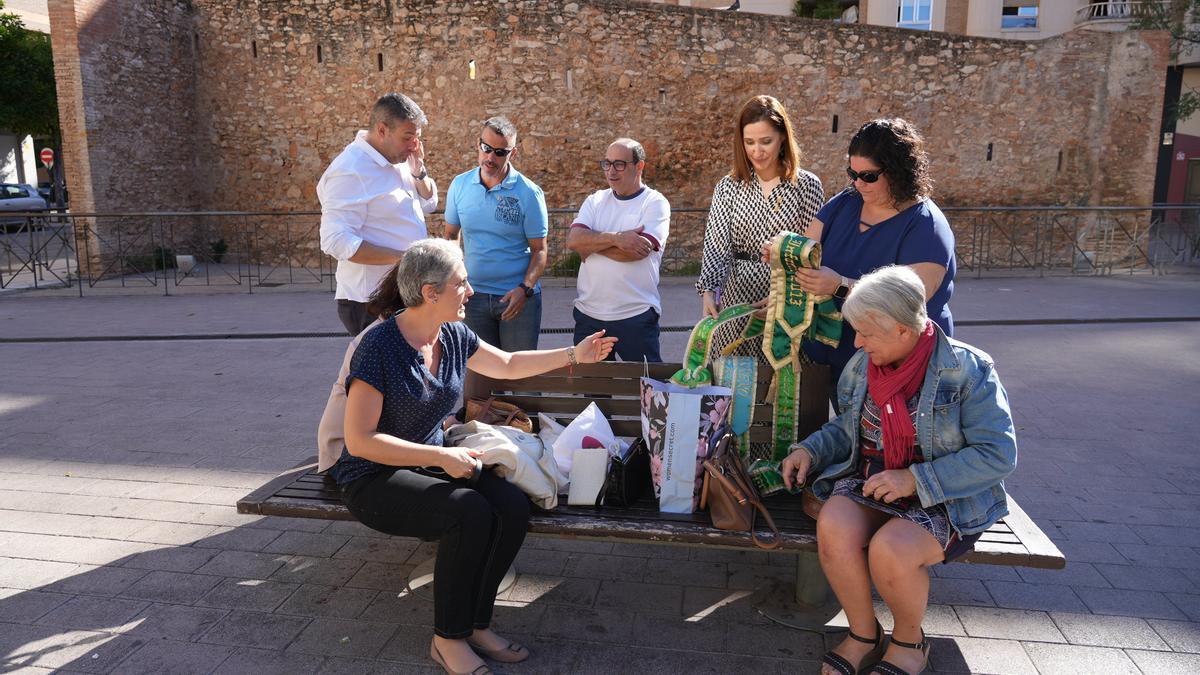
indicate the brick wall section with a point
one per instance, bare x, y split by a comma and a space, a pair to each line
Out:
267, 117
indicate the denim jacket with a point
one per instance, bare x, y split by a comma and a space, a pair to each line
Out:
964, 429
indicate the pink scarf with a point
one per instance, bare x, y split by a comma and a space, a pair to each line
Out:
891, 388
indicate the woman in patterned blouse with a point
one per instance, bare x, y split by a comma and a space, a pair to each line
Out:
764, 194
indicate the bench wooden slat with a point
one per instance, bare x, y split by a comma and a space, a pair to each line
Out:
300, 493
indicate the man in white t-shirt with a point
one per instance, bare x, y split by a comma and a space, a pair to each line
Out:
374, 197
619, 235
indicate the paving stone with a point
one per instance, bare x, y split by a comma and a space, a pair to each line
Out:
613, 626
332, 601
708, 554
238, 538
540, 561
1050, 658
976, 655
321, 545
553, 590
396, 550
1182, 636
592, 658
749, 577
169, 656
73, 650
171, 587
309, 570
1142, 578
20, 606
688, 572
177, 534
518, 619
770, 640
573, 545
269, 662
242, 564
1008, 624
648, 550
978, 572
339, 637
175, 622
410, 645
407, 610
255, 629
1160, 556
1107, 631
31, 574
644, 598
391, 577
1146, 604
94, 613
337, 666
1046, 597
1074, 574
730, 605
248, 594
172, 559
959, 592
606, 567
285, 524
1164, 662
1091, 552
1113, 533
1189, 603
97, 580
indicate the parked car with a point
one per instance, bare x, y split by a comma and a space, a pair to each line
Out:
16, 197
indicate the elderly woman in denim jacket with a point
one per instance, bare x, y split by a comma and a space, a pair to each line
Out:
911, 472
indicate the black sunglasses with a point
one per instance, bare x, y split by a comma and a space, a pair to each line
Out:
618, 164
864, 176
499, 152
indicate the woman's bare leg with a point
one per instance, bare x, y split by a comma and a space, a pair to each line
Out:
843, 530
899, 556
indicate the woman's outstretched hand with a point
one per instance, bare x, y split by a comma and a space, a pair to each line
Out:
709, 300
594, 348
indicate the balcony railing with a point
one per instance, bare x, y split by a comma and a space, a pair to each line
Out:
1119, 11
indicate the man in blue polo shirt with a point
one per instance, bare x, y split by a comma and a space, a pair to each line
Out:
502, 217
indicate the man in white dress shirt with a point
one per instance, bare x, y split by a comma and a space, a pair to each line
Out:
619, 235
374, 197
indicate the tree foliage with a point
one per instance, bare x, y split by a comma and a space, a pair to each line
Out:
1178, 17
28, 102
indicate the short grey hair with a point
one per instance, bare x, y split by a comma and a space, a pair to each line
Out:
894, 292
635, 148
503, 126
394, 108
428, 261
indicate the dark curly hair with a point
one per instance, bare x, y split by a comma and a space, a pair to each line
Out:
897, 147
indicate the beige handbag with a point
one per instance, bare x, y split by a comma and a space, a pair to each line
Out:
491, 411
732, 501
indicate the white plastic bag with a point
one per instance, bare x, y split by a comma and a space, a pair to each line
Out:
591, 422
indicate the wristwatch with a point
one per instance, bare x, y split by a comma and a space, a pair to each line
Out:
843, 289
422, 175
528, 290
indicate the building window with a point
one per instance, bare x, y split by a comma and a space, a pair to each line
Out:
1019, 14
915, 14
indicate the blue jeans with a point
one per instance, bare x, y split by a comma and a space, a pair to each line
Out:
637, 336
518, 334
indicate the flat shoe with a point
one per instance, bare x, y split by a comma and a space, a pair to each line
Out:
513, 653
437, 657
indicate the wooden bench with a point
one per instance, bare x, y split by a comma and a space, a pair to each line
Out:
302, 493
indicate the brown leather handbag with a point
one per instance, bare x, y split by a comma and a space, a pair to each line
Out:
731, 498
491, 411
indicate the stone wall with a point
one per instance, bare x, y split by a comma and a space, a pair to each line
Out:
225, 104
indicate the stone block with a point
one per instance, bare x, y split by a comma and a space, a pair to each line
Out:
175, 622
1051, 658
171, 587
1046, 597
169, 656
243, 564
344, 638
330, 601
642, 598
92, 613
1145, 604
255, 629
1008, 624
975, 655
1107, 631
248, 594
268, 662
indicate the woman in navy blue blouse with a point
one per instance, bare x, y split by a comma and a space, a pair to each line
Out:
884, 217
405, 378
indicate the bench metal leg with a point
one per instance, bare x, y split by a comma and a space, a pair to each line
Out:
420, 580
812, 606
812, 588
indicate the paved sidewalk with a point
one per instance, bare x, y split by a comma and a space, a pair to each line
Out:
121, 551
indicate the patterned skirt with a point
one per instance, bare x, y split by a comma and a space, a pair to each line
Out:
934, 519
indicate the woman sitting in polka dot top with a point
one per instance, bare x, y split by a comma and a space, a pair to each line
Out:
405, 378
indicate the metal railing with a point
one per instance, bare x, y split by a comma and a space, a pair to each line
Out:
1120, 11
174, 252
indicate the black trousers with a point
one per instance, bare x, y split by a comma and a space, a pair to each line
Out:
479, 532
354, 316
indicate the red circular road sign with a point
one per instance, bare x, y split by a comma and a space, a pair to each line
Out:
47, 157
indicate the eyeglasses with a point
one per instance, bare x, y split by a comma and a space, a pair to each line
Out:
864, 176
499, 152
619, 164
